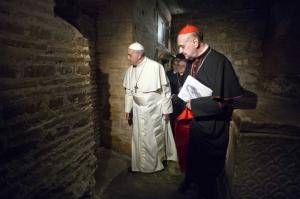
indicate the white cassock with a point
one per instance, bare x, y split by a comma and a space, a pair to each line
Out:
148, 95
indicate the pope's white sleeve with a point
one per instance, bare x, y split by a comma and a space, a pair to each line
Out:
128, 100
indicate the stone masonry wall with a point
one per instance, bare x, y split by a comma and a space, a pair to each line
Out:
46, 128
114, 35
145, 25
87, 27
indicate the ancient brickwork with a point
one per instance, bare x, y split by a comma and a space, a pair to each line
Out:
46, 129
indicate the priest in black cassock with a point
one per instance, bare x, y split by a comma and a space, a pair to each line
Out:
172, 74
209, 128
177, 76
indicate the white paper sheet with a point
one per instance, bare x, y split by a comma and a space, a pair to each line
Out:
192, 89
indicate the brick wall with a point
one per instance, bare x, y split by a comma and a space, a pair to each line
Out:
86, 24
46, 125
114, 34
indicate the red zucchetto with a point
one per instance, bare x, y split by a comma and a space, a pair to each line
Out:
188, 29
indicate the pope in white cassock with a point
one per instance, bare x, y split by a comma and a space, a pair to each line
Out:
148, 95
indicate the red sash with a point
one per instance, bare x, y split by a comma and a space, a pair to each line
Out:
181, 135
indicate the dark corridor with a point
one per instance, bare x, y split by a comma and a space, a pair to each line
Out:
62, 63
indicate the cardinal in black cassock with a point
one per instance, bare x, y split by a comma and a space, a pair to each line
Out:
209, 127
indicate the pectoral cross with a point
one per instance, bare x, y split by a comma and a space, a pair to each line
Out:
135, 88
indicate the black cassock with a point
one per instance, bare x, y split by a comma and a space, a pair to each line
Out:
176, 82
209, 129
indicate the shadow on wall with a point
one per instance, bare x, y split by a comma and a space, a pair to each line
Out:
85, 23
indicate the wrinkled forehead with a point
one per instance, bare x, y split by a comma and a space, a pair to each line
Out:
183, 37
132, 52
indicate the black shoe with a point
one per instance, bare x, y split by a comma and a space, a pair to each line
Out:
184, 186
165, 163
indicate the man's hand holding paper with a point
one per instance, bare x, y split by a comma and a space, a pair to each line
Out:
192, 89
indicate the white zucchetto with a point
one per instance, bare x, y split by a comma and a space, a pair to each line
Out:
136, 46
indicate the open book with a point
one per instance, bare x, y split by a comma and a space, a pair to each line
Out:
192, 89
